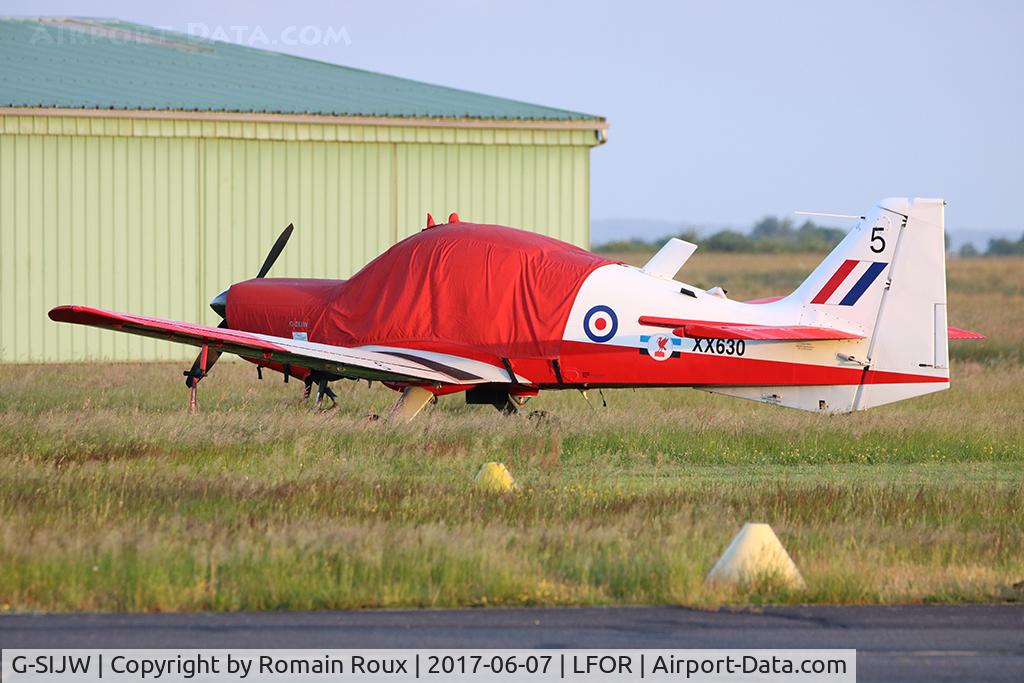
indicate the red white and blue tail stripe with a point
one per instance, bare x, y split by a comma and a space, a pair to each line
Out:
848, 284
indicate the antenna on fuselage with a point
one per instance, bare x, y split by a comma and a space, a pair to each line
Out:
829, 215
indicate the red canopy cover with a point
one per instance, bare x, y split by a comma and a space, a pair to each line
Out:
458, 287
503, 291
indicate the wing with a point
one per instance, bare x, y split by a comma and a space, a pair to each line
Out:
712, 330
339, 360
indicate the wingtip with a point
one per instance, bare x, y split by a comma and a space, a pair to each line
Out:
58, 313
71, 313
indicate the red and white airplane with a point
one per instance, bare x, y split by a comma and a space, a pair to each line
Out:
502, 314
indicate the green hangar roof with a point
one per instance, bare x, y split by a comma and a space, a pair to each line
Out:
72, 63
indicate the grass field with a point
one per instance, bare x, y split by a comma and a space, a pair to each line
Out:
113, 498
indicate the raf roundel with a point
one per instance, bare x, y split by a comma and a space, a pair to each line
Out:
600, 324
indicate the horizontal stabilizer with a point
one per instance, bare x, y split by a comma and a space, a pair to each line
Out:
712, 330
764, 332
957, 333
954, 332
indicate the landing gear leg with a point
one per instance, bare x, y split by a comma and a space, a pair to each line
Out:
513, 404
409, 404
192, 378
323, 390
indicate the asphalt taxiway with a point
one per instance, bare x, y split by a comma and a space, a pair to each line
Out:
898, 643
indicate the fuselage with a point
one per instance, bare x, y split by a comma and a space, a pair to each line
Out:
604, 337
503, 313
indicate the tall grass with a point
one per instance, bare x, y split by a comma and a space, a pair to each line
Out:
113, 498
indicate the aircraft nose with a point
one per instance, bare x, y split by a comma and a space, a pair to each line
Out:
219, 304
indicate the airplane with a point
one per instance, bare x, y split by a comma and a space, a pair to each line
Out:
500, 314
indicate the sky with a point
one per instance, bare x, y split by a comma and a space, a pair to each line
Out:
720, 112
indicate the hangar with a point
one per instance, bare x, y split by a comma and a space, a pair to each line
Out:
146, 170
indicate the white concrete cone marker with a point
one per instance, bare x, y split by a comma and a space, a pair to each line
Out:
495, 477
756, 551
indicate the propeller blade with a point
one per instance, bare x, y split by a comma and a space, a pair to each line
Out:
211, 358
275, 251
219, 304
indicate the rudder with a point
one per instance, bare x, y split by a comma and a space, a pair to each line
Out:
910, 334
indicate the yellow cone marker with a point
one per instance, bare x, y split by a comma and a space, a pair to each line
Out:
495, 477
756, 551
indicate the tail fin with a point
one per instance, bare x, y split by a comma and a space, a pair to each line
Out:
887, 279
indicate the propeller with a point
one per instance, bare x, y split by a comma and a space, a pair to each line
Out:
219, 305
275, 251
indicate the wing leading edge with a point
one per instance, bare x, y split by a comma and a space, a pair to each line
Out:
338, 360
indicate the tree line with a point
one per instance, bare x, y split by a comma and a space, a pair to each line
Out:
773, 235
997, 246
770, 235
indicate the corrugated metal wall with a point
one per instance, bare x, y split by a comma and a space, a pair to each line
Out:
546, 189
156, 217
